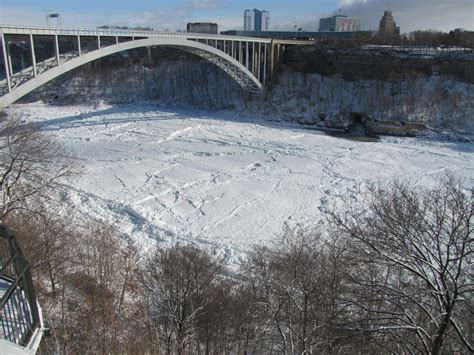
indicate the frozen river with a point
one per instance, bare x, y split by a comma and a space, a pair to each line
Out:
220, 181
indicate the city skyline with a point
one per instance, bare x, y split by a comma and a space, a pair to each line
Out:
171, 15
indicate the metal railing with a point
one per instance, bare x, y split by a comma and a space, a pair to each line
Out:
19, 316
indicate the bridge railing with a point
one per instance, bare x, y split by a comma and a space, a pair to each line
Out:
19, 315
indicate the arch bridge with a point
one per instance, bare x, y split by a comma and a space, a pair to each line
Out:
33, 56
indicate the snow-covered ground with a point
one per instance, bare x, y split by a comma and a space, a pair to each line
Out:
223, 182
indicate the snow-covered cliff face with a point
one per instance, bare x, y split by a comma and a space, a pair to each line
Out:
311, 98
295, 96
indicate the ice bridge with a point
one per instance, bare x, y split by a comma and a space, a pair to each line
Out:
33, 56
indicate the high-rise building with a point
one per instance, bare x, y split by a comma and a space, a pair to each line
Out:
202, 27
388, 27
256, 20
339, 23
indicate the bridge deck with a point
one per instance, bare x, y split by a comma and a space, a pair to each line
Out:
36, 30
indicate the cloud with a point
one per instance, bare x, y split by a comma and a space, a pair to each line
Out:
352, 2
190, 6
21, 16
412, 15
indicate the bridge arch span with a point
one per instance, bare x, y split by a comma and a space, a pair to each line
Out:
230, 65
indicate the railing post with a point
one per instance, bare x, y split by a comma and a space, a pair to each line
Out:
33, 55
233, 48
98, 42
56, 48
6, 59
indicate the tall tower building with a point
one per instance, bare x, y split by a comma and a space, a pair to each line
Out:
265, 21
388, 28
249, 20
256, 20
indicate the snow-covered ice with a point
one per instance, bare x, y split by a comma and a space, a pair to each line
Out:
223, 182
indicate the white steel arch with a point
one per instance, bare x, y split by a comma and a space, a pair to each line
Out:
230, 65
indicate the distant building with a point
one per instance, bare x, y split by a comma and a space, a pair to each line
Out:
339, 23
388, 28
303, 35
256, 20
462, 38
202, 27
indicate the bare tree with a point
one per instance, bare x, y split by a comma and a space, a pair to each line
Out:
414, 280
48, 241
104, 286
30, 164
88, 285
180, 284
299, 283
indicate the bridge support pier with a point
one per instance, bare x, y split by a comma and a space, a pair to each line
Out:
9, 58
33, 55
79, 45
252, 70
7, 61
278, 51
239, 52
264, 62
247, 54
56, 49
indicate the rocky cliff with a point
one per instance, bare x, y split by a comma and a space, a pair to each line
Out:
327, 87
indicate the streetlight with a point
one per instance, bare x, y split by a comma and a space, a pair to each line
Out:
46, 16
50, 16
107, 20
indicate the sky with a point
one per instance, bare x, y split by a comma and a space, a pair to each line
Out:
172, 15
